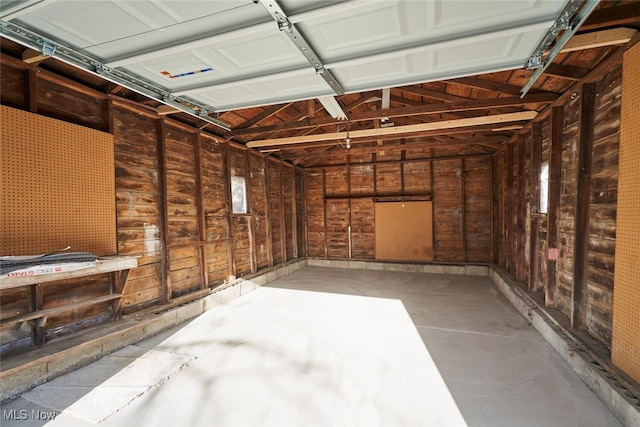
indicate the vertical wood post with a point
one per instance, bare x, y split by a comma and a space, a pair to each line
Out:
31, 89
165, 263
349, 241
555, 171
283, 219
463, 203
432, 154
324, 204
267, 183
202, 232
494, 221
536, 163
304, 213
229, 203
520, 207
252, 226
581, 240
508, 218
294, 211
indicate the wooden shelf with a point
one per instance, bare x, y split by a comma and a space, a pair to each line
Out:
43, 314
117, 266
103, 265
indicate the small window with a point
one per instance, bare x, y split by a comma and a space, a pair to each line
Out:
239, 195
544, 187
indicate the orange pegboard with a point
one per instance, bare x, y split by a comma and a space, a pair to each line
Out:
625, 344
57, 188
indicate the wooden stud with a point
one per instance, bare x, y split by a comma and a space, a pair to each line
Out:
267, 183
581, 240
252, 220
283, 222
294, 211
463, 198
31, 89
494, 221
349, 219
520, 209
165, 262
536, 163
509, 211
311, 108
432, 153
324, 203
555, 171
202, 233
229, 204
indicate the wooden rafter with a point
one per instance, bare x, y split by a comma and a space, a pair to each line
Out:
31, 56
612, 16
568, 72
489, 85
164, 110
266, 113
611, 37
434, 94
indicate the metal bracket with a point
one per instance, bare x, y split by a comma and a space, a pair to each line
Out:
562, 23
299, 41
48, 48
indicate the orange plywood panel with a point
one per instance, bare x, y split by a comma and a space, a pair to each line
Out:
57, 187
404, 231
625, 345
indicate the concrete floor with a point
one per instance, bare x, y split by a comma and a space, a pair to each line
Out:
331, 347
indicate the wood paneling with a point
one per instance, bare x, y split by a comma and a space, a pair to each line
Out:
274, 191
447, 210
477, 208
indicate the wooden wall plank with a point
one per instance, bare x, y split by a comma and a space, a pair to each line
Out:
555, 172
447, 210
477, 209
580, 250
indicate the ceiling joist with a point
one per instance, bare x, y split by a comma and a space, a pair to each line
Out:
612, 37
424, 109
397, 130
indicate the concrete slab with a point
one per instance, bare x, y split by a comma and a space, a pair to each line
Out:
328, 346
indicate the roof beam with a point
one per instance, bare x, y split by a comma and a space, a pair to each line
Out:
568, 72
489, 141
487, 85
165, 110
612, 16
398, 130
612, 37
31, 56
266, 113
424, 109
430, 93
474, 131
